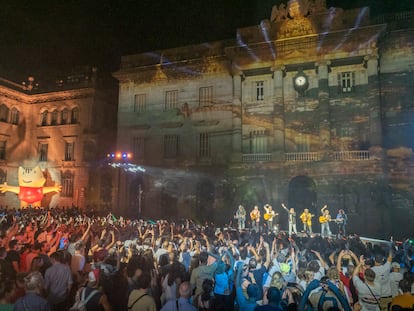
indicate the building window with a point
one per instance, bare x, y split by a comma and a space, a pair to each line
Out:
259, 90
3, 150
67, 185
206, 96
69, 151
4, 113
204, 145
302, 143
171, 146
74, 118
54, 120
346, 82
43, 151
258, 141
140, 102
171, 100
43, 118
64, 115
14, 116
138, 147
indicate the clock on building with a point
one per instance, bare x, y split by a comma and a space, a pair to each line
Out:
300, 82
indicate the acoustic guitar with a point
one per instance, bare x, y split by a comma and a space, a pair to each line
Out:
323, 219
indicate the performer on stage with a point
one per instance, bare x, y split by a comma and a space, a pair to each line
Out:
241, 217
255, 217
306, 218
341, 219
291, 219
268, 216
324, 220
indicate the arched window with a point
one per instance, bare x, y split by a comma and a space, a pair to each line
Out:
67, 184
54, 120
3, 178
43, 118
4, 113
64, 116
75, 116
14, 116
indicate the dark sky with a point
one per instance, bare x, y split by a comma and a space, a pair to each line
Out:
50, 35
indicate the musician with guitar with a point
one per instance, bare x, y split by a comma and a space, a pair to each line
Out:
268, 216
241, 217
306, 218
324, 220
291, 219
255, 217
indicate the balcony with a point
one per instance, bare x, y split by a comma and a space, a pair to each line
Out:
358, 155
256, 157
303, 156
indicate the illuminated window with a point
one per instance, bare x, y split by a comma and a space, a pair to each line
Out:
64, 115
346, 82
4, 113
74, 118
259, 90
14, 116
43, 151
258, 141
69, 151
171, 100
2, 150
205, 96
54, 120
138, 147
67, 185
140, 102
204, 145
302, 143
43, 118
171, 146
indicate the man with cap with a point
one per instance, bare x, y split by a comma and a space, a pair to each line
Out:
395, 278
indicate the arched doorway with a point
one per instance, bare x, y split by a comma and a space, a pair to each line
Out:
302, 194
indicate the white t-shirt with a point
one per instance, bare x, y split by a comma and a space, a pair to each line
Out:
367, 300
382, 278
395, 278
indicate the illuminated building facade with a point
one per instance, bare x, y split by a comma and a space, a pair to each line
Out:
311, 107
66, 127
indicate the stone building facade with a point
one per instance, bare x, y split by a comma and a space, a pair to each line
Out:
311, 107
66, 128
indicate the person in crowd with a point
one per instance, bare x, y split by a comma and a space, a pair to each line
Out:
206, 300
7, 289
58, 282
255, 218
382, 269
274, 298
139, 299
6, 268
202, 272
248, 302
405, 299
182, 303
291, 219
369, 293
395, 278
13, 255
33, 299
241, 217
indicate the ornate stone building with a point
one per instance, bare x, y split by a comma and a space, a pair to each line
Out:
66, 127
311, 107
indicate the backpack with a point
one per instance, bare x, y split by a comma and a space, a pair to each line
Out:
81, 301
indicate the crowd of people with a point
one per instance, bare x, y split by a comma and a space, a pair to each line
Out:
68, 260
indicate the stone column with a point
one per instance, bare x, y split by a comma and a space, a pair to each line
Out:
278, 114
375, 133
324, 109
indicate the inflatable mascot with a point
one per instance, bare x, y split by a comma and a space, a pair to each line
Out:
30, 189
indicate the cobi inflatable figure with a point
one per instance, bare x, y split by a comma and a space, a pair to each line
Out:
30, 189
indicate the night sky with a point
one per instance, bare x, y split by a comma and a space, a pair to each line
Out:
50, 36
